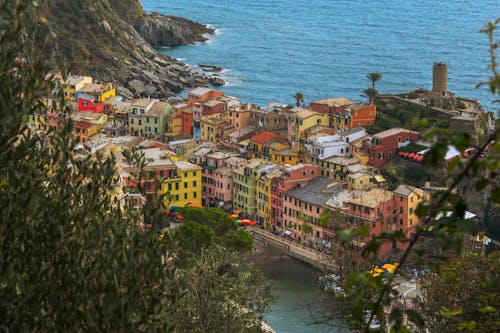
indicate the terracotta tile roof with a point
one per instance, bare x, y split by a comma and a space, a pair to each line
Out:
264, 137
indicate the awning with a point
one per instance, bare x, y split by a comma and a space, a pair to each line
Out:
380, 179
288, 232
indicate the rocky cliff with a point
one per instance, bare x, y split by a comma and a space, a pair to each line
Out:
113, 40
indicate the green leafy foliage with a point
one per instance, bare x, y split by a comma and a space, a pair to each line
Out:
72, 257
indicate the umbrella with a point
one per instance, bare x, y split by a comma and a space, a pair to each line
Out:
252, 223
234, 216
401, 153
410, 155
180, 217
465, 154
174, 208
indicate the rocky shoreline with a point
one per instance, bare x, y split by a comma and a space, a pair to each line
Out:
116, 41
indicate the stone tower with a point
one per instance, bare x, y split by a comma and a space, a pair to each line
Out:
440, 77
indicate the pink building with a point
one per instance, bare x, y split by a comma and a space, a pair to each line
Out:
291, 176
217, 179
375, 209
302, 208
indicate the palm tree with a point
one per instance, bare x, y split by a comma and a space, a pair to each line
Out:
298, 98
371, 93
374, 77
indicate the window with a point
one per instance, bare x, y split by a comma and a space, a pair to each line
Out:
176, 197
161, 173
185, 196
170, 186
185, 185
411, 222
140, 121
401, 221
194, 183
177, 186
411, 210
194, 194
401, 209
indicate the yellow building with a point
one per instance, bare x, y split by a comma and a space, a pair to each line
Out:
300, 121
183, 186
288, 156
74, 84
355, 147
407, 198
360, 181
263, 192
99, 119
100, 91
335, 167
215, 127
261, 145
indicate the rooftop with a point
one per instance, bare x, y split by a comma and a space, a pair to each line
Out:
87, 97
235, 161
198, 92
158, 109
306, 114
337, 201
142, 102
404, 190
340, 160
91, 87
264, 137
185, 165
73, 79
212, 102
335, 102
224, 171
352, 131
372, 198
390, 132
219, 155
316, 192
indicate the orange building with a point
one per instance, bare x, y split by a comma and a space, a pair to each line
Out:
199, 95
362, 114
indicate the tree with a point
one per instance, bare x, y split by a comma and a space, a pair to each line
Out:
223, 294
299, 98
72, 259
370, 93
463, 295
374, 77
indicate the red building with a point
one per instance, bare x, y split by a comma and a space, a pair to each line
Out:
291, 176
187, 121
87, 103
382, 147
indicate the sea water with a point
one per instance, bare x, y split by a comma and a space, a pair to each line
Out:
324, 48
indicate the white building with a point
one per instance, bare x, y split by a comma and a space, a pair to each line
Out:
323, 146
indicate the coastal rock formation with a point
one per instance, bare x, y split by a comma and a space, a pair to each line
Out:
112, 40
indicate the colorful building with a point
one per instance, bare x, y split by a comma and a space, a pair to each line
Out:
361, 114
154, 120
302, 207
74, 84
88, 103
138, 109
244, 188
262, 144
382, 147
289, 177
217, 179
215, 127
199, 95
406, 201
100, 91
264, 176
183, 185
374, 209
299, 121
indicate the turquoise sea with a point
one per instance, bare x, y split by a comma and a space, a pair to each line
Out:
325, 48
